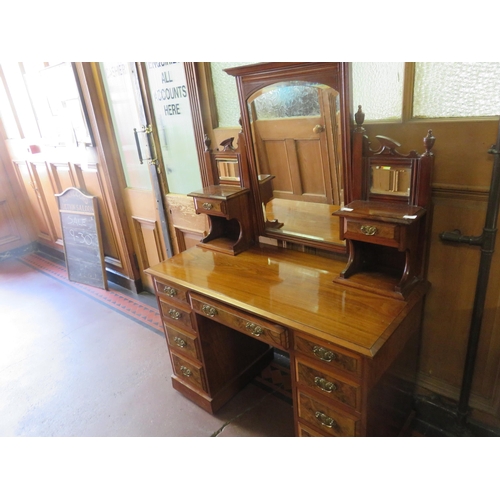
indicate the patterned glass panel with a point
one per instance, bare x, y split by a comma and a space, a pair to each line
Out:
288, 100
456, 89
226, 95
378, 88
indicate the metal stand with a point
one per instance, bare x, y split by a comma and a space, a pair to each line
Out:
487, 243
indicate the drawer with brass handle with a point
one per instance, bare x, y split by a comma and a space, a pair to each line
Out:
171, 291
377, 232
210, 206
176, 315
326, 418
332, 356
188, 372
259, 328
330, 385
183, 341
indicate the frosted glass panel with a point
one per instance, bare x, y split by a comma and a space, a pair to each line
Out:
378, 87
120, 81
456, 89
288, 100
226, 95
168, 86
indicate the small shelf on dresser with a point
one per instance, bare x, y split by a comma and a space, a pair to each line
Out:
383, 240
229, 219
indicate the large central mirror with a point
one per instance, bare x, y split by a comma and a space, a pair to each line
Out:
295, 120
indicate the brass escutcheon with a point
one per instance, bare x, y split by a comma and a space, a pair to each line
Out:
207, 206
172, 292
254, 329
325, 419
369, 230
185, 371
174, 314
209, 310
323, 354
324, 385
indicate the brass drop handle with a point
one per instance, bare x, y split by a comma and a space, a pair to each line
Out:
369, 230
171, 292
207, 206
174, 314
186, 371
325, 419
318, 129
324, 385
254, 329
180, 342
324, 354
209, 310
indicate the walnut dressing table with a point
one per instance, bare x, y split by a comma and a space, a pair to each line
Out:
353, 353
227, 304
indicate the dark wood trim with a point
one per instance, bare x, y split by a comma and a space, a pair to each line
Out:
199, 133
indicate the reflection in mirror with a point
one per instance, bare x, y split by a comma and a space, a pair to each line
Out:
229, 171
295, 129
390, 180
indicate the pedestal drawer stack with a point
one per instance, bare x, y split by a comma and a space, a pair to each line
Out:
328, 397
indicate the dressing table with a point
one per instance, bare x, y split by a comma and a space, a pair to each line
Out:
353, 351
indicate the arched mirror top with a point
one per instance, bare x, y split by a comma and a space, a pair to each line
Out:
296, 121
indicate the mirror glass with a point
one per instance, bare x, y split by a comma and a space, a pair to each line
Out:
229, 171
296, 136
390, 180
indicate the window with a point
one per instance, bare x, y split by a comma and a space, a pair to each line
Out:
397, 91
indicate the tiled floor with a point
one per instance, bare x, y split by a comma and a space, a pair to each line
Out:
72, 366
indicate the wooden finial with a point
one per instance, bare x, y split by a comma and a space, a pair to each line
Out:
429, 140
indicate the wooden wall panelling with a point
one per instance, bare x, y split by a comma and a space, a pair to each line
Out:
9, 233
15, 224
187, 227
148, 237
453, 273
28, 180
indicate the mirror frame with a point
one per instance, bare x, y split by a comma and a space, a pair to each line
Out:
254, 77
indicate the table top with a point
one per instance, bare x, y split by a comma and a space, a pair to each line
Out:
293, 289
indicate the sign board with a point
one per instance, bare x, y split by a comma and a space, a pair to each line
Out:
82, 238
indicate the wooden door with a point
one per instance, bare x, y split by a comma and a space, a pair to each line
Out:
138, 159
52, 141
304, 153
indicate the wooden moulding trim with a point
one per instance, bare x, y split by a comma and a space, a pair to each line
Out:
438, 188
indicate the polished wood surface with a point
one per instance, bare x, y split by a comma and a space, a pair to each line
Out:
293, 289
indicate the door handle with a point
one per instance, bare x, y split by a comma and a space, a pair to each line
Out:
148, 130
318, 129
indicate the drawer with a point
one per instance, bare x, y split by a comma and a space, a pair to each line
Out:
305, 431
376, 232
329, 385
210, 206
326, 418
263, 330
171, 291
329, 354
176, 315
183, 342
188, 372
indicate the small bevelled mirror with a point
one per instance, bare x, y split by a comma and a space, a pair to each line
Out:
229, 171
390, 180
